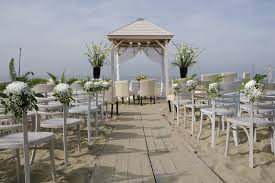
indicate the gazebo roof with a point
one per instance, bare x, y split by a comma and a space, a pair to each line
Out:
140, 30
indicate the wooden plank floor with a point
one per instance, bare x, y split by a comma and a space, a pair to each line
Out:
142, 148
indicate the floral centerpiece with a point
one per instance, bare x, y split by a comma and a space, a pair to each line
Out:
18, 98
141, 77
253, 89
191, 84
63, 93
214, 90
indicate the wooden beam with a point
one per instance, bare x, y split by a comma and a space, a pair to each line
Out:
117, 45
160, 44
158, 51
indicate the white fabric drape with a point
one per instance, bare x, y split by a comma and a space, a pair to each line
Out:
154, 54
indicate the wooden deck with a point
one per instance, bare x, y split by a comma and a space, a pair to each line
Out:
142, 148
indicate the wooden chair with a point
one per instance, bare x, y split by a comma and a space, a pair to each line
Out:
249, 125
225, 106
122, 90
147, 89
109, 99
63, 123
22, 140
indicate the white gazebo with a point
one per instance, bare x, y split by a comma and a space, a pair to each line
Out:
140, 36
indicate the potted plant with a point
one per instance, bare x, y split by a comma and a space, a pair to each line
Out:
141, 77
97, 54
185, 57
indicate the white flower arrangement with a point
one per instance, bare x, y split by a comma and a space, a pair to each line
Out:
96, 86
141, 77
63, 93
214, 90
191, 85
176, 87
253, 91
18, 98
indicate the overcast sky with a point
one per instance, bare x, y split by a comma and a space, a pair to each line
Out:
52, 33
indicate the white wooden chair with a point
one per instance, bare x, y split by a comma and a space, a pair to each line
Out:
225, 106
249, 125
22, 140
229, 77
87, 109
112, 100
63, 123
122, 90
198, 100
147, 89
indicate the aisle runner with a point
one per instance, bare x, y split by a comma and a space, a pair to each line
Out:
142, 149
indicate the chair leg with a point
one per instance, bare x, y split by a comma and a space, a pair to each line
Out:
96, 123
134, 99
185, 117
227, 139
201, 121
192, 120
122, 98
129, 100
273, 139
52, 160
219, 127
223, 126
65, 146
173, 112
141, 100
213, 121
106, 114
17, 155
178, 117
112, 110
235, 135
169, 105
150, 100
251, 146
154, 99
78, 138
117, 108
255, 135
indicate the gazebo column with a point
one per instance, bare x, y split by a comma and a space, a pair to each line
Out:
117, 64
113, 66
166, 65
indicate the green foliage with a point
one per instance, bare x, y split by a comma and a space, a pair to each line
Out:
12, 72
192, 77
62, 79
259, 77
218, 79
185, 55
97, 53
24, 77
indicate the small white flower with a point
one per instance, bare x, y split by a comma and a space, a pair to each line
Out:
249, 84
191, 84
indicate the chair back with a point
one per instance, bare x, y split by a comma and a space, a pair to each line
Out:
229, 76
209, 77
148, 88
158, 89
43, 88
246, 76
122, 88
76, 86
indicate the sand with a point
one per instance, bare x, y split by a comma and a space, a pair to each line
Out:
81, 163
233, 168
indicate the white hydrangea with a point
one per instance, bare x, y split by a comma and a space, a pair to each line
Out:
253, 91
191, 85
17, 87
176, 86
214, 90
250, 84
62, 88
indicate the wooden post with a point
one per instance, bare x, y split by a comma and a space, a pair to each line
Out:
65, 113
96, 122
251, 135
112, 68
213, 120
166, 68
26, 147
117, 64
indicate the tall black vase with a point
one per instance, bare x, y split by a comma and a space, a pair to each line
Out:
96, 72
183, 72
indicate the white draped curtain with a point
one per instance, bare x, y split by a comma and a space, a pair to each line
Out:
154, 54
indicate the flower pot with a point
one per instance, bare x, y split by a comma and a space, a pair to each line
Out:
183, 72
96, 72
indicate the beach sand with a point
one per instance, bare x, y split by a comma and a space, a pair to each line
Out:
233, 168
81, 163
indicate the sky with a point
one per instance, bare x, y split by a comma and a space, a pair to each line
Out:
236, 35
